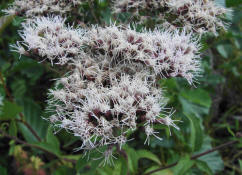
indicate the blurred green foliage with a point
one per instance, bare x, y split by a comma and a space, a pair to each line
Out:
211, 113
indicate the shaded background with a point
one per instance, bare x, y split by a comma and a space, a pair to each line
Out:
211, 113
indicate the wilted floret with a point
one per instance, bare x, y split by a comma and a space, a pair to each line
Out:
31, 8
200, 16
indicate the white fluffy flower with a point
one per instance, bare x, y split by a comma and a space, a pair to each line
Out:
102, 114
31, 8
169, 54
49, 38
199, 16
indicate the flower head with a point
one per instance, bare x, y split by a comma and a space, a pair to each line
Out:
32, 8
199, 16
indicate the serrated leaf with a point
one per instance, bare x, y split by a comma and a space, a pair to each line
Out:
9, 110
203, 166
148, 155
183, 165
33, 116
196, 135
213, 159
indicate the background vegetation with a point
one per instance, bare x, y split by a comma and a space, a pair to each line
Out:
211, 113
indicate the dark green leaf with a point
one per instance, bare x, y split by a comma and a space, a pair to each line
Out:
183, 165
149, 155
81, 163
9, 110
33, 116
224, 50
162, 172
197, 96
203, 166
64, 170
132, 159
191, 108
48, 147
196, 137
13, 128
52, 139
124, 167
213, 159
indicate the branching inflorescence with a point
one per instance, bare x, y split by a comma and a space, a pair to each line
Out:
112, 88
200, 16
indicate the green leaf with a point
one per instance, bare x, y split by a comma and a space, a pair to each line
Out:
233, 3
64, 170
183, 165
224, 50
132, 159
19, 88
148, 155
48, 147
196, 137
124, 167
203, 166
191, 108
81, 163
240, 164
197, 96
9, 110
52, 139
13, 128
213, 159
161, 172
33, 116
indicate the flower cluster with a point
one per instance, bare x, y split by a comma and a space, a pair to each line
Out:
168, 54
111, 88
49, 38
199, 16
103, 113
31, 8
162, 53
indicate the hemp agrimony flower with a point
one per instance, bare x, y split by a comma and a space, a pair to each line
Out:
168, 54
31, 8
199, 16
49, 38
111, 88
102, 114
